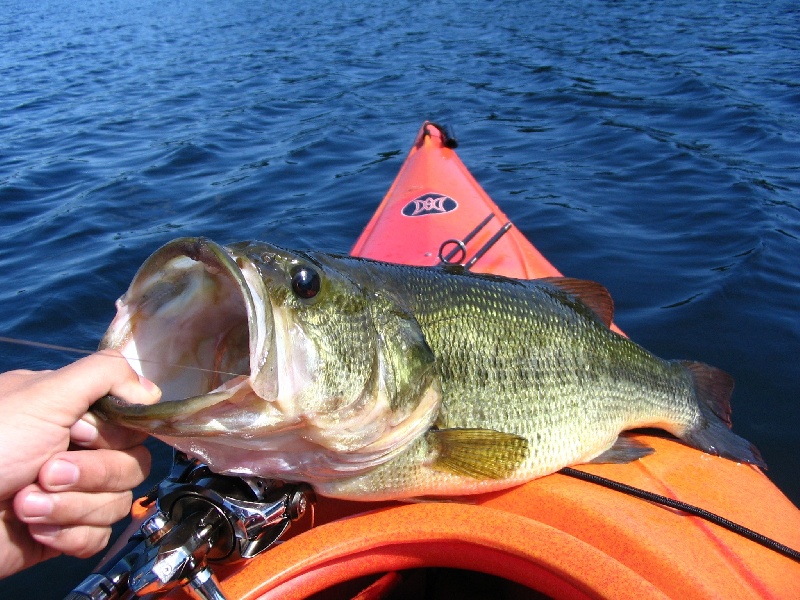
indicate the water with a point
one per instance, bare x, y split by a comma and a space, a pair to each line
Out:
652, 146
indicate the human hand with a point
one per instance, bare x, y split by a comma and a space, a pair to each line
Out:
65, 475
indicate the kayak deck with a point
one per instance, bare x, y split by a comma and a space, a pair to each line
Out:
435, 199
556, 535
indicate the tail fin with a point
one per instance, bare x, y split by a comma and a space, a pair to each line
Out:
712, 434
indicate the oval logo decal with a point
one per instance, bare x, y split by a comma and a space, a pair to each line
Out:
429, 204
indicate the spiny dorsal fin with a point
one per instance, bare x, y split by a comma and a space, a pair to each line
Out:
590, 293
624, 450
477, 453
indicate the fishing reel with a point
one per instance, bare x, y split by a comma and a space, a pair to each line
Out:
200, 518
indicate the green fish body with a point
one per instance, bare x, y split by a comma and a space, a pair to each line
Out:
375, 381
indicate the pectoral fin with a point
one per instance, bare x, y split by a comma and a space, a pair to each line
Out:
624, 450
477, 453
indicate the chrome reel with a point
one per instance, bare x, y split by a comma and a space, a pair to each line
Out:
201, 518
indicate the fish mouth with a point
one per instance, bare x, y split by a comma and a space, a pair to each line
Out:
193, 321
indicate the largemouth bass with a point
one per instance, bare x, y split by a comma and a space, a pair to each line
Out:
371, 380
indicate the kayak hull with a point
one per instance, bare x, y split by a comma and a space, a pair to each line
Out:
557, 535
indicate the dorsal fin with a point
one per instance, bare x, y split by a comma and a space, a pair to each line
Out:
591, 293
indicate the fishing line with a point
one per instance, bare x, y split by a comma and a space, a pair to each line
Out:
21, 342
684, 507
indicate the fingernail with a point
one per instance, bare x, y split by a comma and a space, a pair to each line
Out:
148, 385
83, 432
44, 530
37, 504
62, 473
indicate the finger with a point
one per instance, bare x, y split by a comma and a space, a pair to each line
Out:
20, 374
95, 470
69, 392
124, 381
12, 381
110, 373
90, 431
71, 509
81, 541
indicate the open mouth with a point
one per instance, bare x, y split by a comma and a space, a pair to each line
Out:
189, 321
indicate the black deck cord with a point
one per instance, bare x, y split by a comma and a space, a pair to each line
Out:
684, 507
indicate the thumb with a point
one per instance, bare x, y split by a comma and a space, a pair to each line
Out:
70, 391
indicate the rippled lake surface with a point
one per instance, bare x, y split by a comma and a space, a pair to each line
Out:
651, 146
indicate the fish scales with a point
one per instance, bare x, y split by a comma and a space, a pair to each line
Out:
521, 358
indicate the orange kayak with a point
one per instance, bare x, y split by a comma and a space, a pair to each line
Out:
558, 535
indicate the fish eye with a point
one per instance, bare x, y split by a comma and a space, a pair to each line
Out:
305, 282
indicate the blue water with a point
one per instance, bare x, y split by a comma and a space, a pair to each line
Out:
651, 146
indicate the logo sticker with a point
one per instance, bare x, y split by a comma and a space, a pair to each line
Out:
429, 204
